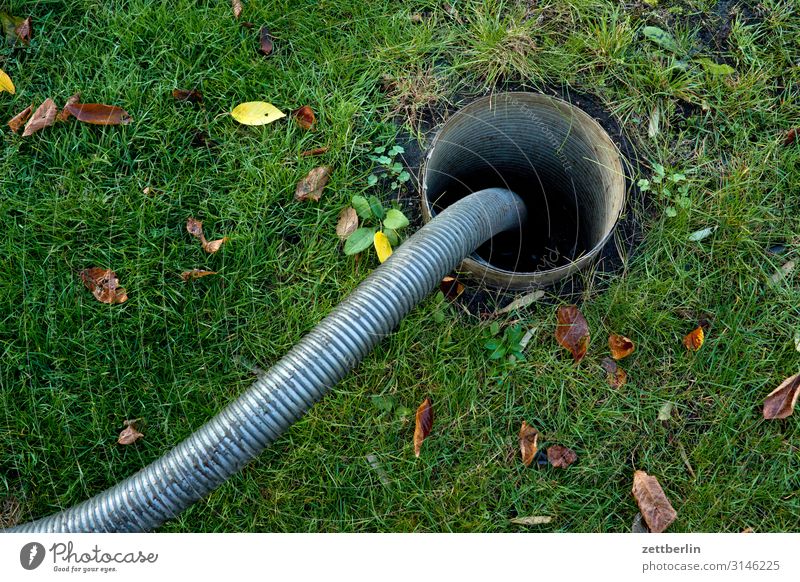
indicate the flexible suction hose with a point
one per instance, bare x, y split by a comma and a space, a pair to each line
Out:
282, 395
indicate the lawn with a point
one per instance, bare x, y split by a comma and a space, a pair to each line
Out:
377, 73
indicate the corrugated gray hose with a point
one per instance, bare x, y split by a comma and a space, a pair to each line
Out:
282, 395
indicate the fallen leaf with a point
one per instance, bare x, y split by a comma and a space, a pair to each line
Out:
188, 95
236, 6
256, 113
572, 331
694, 339
655, 118
665, 412
620, 346
44, 116
532, 520
99, 114
348, 223
129, 434
315, 151
310, 187
416, 18
247, 25
65, 114
213, 246
702, 234
195, 228
560, 456
780, 402
104, 285
791, 136
521, 302
451, 287
615, 375
424, 423
653, 503
24, 30
196, 274
20, 118
15, 28
528, 439
382, 246
265, 41
6, 84
783, 272
304, 117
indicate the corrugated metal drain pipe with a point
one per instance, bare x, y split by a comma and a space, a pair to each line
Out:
282, 395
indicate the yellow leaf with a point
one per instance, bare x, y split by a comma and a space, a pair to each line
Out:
256, 113
382, 246
6, 84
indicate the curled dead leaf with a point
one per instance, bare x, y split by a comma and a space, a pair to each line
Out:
265, 41
195, 228
44, 116
188, 95
304, 117
615, 375
213, 246
656, 509
64, 114
451, 287
104, 285
236, 6
620, 346
528, 439
348, 223
99, 114
694, 339
315, 152
561, 456
310, 187
196, 274
424, 423
780, 402
129, 434
572, 331
20, 118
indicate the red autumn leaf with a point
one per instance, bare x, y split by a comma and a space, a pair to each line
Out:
620, 346
451, 287
24, 30
424, 423
528, 438
780, 402
310, 187
304, 117
104, 285
65, 114
315, 151
196, 274
656, 509
129, 434
20, 118
560, 456
99, 114
615, 375
44, 116
694, 339
187, 95
265, 41
572, 331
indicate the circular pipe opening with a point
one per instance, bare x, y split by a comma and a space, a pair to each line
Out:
556, 157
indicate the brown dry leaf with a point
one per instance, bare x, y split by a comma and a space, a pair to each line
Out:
65, 114
195, 228
572, 331
620, 346
310, 187
196, 274
615, 375
653, 503
237, 7
304, 117
20, 118
451, 287
315, 151
780, 402
99, 114
561, 456
104, 285
44, 116
424, 422
532, 520
24, 31
129, 434
694, 339
187, 95
213, 246
348, 223
791, 136
528, 439
265, 41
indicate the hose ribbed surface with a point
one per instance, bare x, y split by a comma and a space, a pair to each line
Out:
282, 395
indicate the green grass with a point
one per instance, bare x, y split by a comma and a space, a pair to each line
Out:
72, 369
